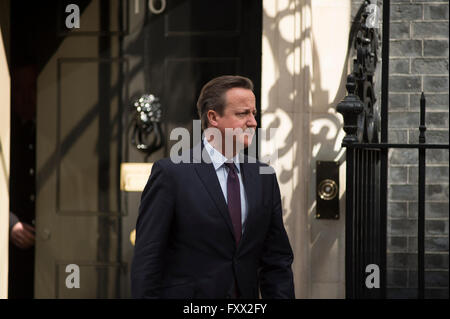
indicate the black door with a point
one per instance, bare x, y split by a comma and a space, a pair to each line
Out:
172, 54
175, 52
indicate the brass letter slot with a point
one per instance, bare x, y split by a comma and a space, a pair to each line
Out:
134, 176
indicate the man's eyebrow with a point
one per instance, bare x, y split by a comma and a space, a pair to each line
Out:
247, 110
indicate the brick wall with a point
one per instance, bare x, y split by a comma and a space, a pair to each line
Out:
418, 62
419, 58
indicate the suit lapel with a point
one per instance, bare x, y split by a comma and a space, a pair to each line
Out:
208, 176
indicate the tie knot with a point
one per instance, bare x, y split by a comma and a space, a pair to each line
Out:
231, 166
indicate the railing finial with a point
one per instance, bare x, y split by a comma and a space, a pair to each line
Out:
422, 127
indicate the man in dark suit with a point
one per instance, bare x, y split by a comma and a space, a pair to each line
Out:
212, 227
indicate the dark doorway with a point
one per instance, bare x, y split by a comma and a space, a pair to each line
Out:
24, 71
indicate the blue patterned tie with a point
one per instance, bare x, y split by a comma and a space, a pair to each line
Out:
234, 200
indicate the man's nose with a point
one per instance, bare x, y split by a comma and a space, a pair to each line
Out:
252, 121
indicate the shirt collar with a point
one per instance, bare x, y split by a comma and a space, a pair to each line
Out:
217, 158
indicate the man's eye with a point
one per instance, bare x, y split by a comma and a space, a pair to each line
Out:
246, 113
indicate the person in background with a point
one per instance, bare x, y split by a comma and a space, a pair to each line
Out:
22, 182
20, 234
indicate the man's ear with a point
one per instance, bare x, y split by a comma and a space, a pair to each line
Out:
212, 117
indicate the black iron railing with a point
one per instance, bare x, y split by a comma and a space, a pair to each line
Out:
367, 168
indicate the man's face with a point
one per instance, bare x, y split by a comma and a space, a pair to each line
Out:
239, 113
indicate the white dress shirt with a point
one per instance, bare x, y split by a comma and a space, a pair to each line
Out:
218, 161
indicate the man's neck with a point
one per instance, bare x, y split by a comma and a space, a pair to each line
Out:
221, 150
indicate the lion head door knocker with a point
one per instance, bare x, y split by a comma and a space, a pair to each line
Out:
146, 123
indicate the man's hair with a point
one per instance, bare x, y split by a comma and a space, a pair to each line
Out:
212, 95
